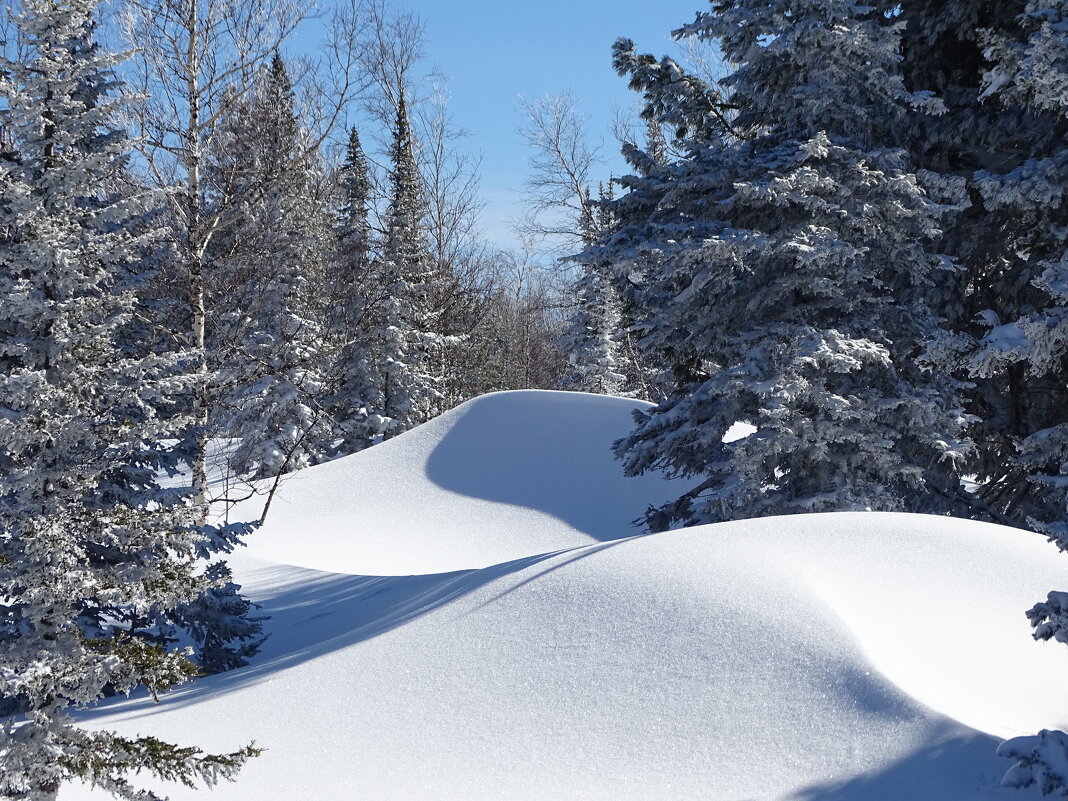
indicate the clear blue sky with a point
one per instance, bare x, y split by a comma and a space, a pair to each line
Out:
495, 50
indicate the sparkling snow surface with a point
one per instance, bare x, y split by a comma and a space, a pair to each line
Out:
502, 477
848, 657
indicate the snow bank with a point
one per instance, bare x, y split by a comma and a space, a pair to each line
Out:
853, 657
498, 478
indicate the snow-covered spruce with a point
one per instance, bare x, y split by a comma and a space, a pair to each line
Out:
407, 345
591, 340
1050, 619
1041, 759
1026, 345
355, 404
997, 151
1001, 70
781, 268
599, 341
90, 547
269, 254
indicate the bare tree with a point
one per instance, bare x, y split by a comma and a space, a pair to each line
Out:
451, 181
531, 320
703, 58
562, 209
452, 205
392, 43
513, 345
559, 204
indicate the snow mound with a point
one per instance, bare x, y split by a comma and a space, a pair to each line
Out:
498, 478
840, 657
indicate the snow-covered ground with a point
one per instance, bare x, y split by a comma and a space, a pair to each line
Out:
464, 613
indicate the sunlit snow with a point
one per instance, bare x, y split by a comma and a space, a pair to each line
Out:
463, 613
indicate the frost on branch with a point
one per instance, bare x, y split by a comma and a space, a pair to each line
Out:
1050, 619
784, 266
1041, 759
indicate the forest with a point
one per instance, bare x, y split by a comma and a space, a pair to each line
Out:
849, 237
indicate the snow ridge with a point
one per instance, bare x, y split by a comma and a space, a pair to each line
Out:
514, 649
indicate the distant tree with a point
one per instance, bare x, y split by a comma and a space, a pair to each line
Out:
356, 401
410, 345
591, 340
90, 546
452, 200
266, 348
511, 343
562, 209
354, 225
558, 200
655, 142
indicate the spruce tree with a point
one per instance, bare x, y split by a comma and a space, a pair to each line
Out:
1033, 72
993, 152
89, 543
268, 346
655, 143
1027, 351
782, 267
592, 341
1023, 349
409, 347
356, 404
354, 225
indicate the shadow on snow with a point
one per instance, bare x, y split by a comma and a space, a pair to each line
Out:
312, 614
555, 458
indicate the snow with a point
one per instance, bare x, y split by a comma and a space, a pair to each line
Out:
460, 613
501, 477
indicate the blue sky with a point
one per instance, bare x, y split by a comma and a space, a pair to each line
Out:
495, 50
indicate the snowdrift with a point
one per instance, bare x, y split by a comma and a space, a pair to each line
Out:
461, 614
501, 477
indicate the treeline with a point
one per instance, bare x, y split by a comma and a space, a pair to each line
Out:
338, 297
198, 296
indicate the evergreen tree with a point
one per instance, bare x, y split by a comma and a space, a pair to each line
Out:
782, 266
89, 543
268, 346
357, 402
995, 151
1026, 80
1025, 348
406, 330
354, 226
1040, 761
219, 622
655, 143
591, 339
